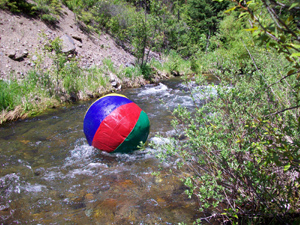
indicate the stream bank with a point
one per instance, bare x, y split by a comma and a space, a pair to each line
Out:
115, 85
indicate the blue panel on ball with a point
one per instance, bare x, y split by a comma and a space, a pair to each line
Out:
97, 113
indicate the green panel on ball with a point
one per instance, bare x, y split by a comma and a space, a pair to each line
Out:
139, 133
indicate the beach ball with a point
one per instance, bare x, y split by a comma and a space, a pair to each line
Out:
114, 123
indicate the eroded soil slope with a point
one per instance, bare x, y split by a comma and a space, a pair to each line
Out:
21, 41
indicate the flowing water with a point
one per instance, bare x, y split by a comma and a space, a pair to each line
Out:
50, 175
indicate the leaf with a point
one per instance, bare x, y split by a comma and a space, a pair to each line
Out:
296, 54
289, 19
293, 5
231, 9
242, 14
252, 29
251, 5
290, 72
295, 46
286, 167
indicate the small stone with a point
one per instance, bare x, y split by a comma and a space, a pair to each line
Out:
68, 45
21, 56
34, 58
89, 94
39, 171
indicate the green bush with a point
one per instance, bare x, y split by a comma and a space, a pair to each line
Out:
18, 6
174, 63
132, 71
71, 75
242, 147
48, 18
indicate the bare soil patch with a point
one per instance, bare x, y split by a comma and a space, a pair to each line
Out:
21, 38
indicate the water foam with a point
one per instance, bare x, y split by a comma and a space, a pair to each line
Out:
80, 154
159, 89
10, 183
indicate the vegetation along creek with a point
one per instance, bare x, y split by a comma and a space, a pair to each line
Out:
218, 79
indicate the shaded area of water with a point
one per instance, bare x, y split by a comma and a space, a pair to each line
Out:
50, 175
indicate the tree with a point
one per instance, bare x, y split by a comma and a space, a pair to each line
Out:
203, 18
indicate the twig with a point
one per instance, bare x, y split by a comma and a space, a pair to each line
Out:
281, 111
283, 78
271, 11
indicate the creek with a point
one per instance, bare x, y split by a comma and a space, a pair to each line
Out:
50, 175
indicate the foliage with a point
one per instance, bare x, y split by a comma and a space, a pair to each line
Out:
204, 17
47, 10
242, 146
9, 96
241, 151
17, 6
175, 64
277, 27
152, 25
132, 71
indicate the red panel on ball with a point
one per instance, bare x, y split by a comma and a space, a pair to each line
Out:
116, 127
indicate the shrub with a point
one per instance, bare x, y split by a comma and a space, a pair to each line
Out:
18, 6
242, 147
174, 63
48, 18
132, 71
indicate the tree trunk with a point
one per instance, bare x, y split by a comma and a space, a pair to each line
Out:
207, 41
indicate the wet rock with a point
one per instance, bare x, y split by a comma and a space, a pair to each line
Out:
89, 197
89, 94
77, 203
68, 45
175, 73
115, 81
39, 171
73, 97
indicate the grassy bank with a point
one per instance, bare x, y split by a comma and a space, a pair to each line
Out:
65, 81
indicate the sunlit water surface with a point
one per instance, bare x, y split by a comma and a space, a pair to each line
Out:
50, 175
